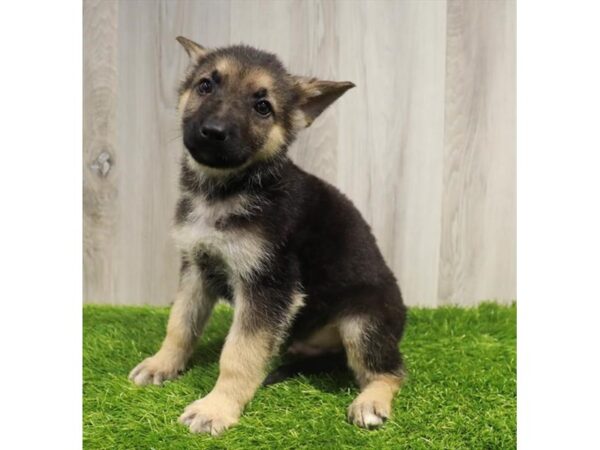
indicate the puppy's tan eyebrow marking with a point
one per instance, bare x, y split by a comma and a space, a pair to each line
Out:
225, 66
258, 79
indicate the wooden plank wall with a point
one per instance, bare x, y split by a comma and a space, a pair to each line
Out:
425, 145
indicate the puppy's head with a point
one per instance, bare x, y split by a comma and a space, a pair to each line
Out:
239, 105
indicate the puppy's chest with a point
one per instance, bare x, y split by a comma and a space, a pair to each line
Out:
222, 229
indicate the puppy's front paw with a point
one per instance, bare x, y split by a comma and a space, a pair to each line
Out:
212, 414
156, 369
368, 413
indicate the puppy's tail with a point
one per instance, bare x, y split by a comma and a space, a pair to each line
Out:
310, 365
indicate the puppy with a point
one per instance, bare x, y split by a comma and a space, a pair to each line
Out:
286, 249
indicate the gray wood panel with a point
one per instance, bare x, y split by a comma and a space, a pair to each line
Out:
424, 145
145, 265
478, 248
100, 194
394, 52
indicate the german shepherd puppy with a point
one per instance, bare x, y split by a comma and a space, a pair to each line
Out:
288, 250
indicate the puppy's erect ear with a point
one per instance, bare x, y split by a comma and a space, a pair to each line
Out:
317, 95
194, 51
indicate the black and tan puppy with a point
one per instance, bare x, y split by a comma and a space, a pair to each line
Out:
288, 250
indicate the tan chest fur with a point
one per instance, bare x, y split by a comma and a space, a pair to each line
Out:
242, 250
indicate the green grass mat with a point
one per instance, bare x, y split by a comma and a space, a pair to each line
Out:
461, 391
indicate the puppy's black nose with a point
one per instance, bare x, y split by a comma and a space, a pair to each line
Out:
214, 130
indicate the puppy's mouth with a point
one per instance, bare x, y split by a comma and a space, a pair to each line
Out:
219, 155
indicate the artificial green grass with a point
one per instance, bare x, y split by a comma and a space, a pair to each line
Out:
461, 391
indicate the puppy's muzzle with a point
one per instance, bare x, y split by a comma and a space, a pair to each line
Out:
215, 143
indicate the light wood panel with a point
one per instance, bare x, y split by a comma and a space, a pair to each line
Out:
391, 132
100, 194
478, 232
424, 145
146, 170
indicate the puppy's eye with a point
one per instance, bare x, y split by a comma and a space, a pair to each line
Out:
263, 107
204, 87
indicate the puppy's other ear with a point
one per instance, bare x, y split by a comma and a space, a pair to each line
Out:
317, 95
194, 51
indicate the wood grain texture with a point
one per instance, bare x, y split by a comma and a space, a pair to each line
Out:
145, 265
424, 145
478, 250
100, 194
391, 132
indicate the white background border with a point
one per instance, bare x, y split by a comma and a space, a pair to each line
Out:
40, 235
558, 148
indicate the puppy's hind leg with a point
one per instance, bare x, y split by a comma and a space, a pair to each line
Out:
190, 311
374, 358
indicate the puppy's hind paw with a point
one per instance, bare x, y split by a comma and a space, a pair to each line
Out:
368, 414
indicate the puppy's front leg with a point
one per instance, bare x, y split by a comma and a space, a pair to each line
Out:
189, 313
253, 339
